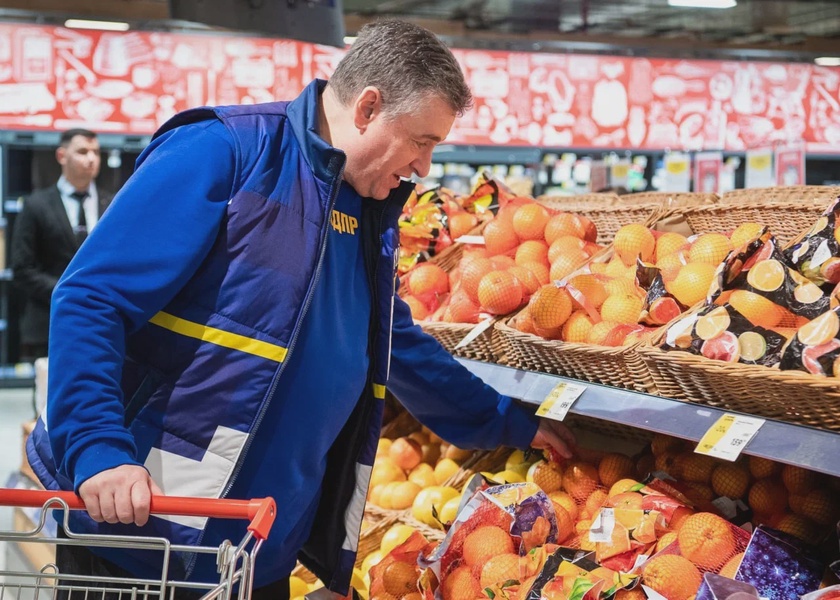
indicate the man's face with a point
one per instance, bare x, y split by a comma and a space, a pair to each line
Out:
390, 147
80, 159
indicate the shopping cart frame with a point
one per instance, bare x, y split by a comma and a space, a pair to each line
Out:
235, 564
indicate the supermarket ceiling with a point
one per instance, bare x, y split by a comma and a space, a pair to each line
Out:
640, 26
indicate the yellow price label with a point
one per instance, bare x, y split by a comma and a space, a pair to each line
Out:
760, 162
620, 170
677, 167
559, 400
728, 437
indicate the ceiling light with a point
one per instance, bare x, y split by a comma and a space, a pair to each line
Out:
104, 25
703, 3
828, 61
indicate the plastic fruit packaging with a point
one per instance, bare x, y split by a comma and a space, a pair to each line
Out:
817, 255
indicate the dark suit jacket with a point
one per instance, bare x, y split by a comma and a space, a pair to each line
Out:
43, 243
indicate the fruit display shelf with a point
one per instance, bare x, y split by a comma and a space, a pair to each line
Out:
798, 445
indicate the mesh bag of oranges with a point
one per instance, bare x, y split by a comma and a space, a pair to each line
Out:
754, 304
817, 254
397, 574
489, 545
703, 543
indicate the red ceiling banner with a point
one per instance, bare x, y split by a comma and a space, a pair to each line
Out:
52, 78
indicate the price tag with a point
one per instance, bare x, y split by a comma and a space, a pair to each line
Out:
559, 400
477, 240
729, 436
603, 526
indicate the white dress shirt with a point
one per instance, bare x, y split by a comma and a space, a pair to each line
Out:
71, 205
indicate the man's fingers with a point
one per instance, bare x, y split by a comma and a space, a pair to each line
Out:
92, 506
156, 491
141, 497
123, 506
108, 508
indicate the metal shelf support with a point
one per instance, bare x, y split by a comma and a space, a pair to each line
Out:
788, 443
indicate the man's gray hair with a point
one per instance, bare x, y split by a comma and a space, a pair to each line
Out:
406, 63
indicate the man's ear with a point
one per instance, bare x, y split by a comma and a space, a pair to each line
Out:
367, 106
60, 154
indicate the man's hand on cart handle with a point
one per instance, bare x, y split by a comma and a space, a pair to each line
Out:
119, 495
555, 437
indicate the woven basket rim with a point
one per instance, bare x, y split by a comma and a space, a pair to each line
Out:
506, 329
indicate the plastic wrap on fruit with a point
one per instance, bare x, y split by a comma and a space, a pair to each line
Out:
483, 547
815, 348
625, 530
722, 333
397, 573
659, 307
817, 255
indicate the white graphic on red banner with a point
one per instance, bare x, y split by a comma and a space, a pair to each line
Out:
54, 78
790, 165
707, 166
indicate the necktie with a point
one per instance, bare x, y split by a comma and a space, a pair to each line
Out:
81, 228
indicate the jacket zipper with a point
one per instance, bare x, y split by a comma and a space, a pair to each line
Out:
191, 563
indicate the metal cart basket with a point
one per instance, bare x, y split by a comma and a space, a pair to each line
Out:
235, 562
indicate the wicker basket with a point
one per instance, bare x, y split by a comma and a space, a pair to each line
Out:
672, 199
794, 193
786, 219
594, 198
608, 218
616, 366
791, 396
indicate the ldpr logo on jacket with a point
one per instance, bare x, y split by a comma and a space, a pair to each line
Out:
344, 223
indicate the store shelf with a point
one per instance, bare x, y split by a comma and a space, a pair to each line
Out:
784, 442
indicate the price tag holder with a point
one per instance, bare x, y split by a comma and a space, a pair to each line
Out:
559, 400
729, 436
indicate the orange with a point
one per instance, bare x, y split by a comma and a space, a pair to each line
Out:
691, 284
820, 506
635, 594
472, 273
529, 221
698, 468
500, 568
405, 453
580, 480
798, 526
669, 243
730, 479
460, 585
461, 223
565, 244
565, 523
614, 467
418, 309
540, 271
798, 480
462, 309
532, 251
768, 497
547, 475
486, 542
679, 517
618, 287
403, 494
500, 237
622, 308
385, 471
634, 241
707, 540
550, 307
526, 278
666, 540
592, 289
502, 262
591, 229
756, 308
428, 279
710, 248
400, 578
564, 224
617, 268
622, 485
672, 576
576, 328
744, 233
596, 500
761, 468
670, 265
523, 322
566, 264
700, 492
600, 332
731, 566
499, 293
565, 501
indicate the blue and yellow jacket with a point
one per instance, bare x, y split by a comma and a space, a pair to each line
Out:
172, 326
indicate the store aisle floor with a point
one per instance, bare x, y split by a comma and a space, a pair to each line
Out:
15, 408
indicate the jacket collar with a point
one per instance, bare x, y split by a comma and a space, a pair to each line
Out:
324, 160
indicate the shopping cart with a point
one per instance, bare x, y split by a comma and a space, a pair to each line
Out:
235, 563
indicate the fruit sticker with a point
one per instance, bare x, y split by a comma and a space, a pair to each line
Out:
817, 255
815, 348
723, 333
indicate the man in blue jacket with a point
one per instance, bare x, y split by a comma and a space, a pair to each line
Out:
225, 333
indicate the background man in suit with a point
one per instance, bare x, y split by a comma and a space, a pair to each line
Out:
52, 225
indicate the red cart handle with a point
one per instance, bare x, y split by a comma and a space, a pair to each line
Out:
260, 512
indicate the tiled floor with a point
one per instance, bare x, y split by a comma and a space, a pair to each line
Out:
15, 408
